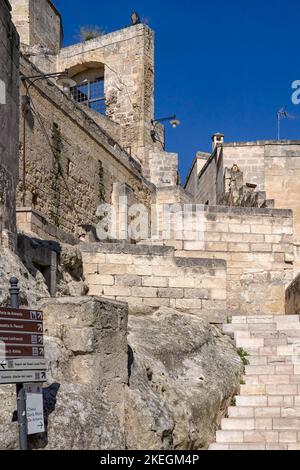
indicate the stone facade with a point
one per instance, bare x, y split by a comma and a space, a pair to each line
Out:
273, 167
80, 164
9, 117
39, 25
151, 277
257, 245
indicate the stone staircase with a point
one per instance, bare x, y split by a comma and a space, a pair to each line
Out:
266, 414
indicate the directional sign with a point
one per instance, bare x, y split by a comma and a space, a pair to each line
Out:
14, 352
27, 339
21, 346
14, 377
34, 408
21, 326
23, 364
21, 314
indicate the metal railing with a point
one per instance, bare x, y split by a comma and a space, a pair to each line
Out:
91, 94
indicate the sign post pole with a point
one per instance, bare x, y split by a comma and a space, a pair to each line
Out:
21, 399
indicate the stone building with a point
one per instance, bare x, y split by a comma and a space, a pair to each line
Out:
99, 137
9, 118
235, 262
271, 168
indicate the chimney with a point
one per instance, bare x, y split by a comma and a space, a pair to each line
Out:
217, 139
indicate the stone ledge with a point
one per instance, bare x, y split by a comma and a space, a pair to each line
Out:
127, 248
38, 225
81, 301
127, 33
288, 213
260, 142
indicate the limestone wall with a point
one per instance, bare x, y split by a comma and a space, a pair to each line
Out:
206, 183
128, 60
86, 346
38, 23
71, 163
151, 277
257, 245
9, 117
192, 179
292, 298
163, 168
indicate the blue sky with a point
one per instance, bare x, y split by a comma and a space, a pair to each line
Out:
221, 66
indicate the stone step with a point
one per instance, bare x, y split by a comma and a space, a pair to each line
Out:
279, 320
287, 424
265, 424
254, 446
251, 401
241, 412
252, 380
264, 412
248, 424
256, 389
253, 437
267, 411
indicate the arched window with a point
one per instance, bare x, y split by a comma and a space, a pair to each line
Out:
91, 93
89, 90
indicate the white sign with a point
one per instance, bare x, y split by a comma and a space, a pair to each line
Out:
15, 377
2, 92
34, 408
23, 364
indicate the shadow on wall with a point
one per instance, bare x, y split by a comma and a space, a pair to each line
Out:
292, 297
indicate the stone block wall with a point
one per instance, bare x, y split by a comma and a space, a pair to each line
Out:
292, 298
80, 162
39, 24
86, 344
151, 277
32, 222
163, 168
257, 245
127, 57
205, 189
9, 118
273, 166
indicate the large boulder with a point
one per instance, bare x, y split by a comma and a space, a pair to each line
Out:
184, 373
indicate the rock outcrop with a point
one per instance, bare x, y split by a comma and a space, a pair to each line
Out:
184, 374
165, 387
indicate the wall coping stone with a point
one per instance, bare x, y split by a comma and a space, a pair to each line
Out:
80, 301
288, 213
259, 142
127, 248
148, 250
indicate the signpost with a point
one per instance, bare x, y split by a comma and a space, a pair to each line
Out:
34, 409
22, 362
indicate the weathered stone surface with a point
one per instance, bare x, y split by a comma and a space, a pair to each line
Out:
86, 350
70, 272
9, 110
183, 376
32, 289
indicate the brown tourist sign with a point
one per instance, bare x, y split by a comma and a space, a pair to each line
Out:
21, 337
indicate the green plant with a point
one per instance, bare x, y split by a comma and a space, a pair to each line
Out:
233, 401
56, 172
242, 382
101, 187
229, 320
243, 355
87, 33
